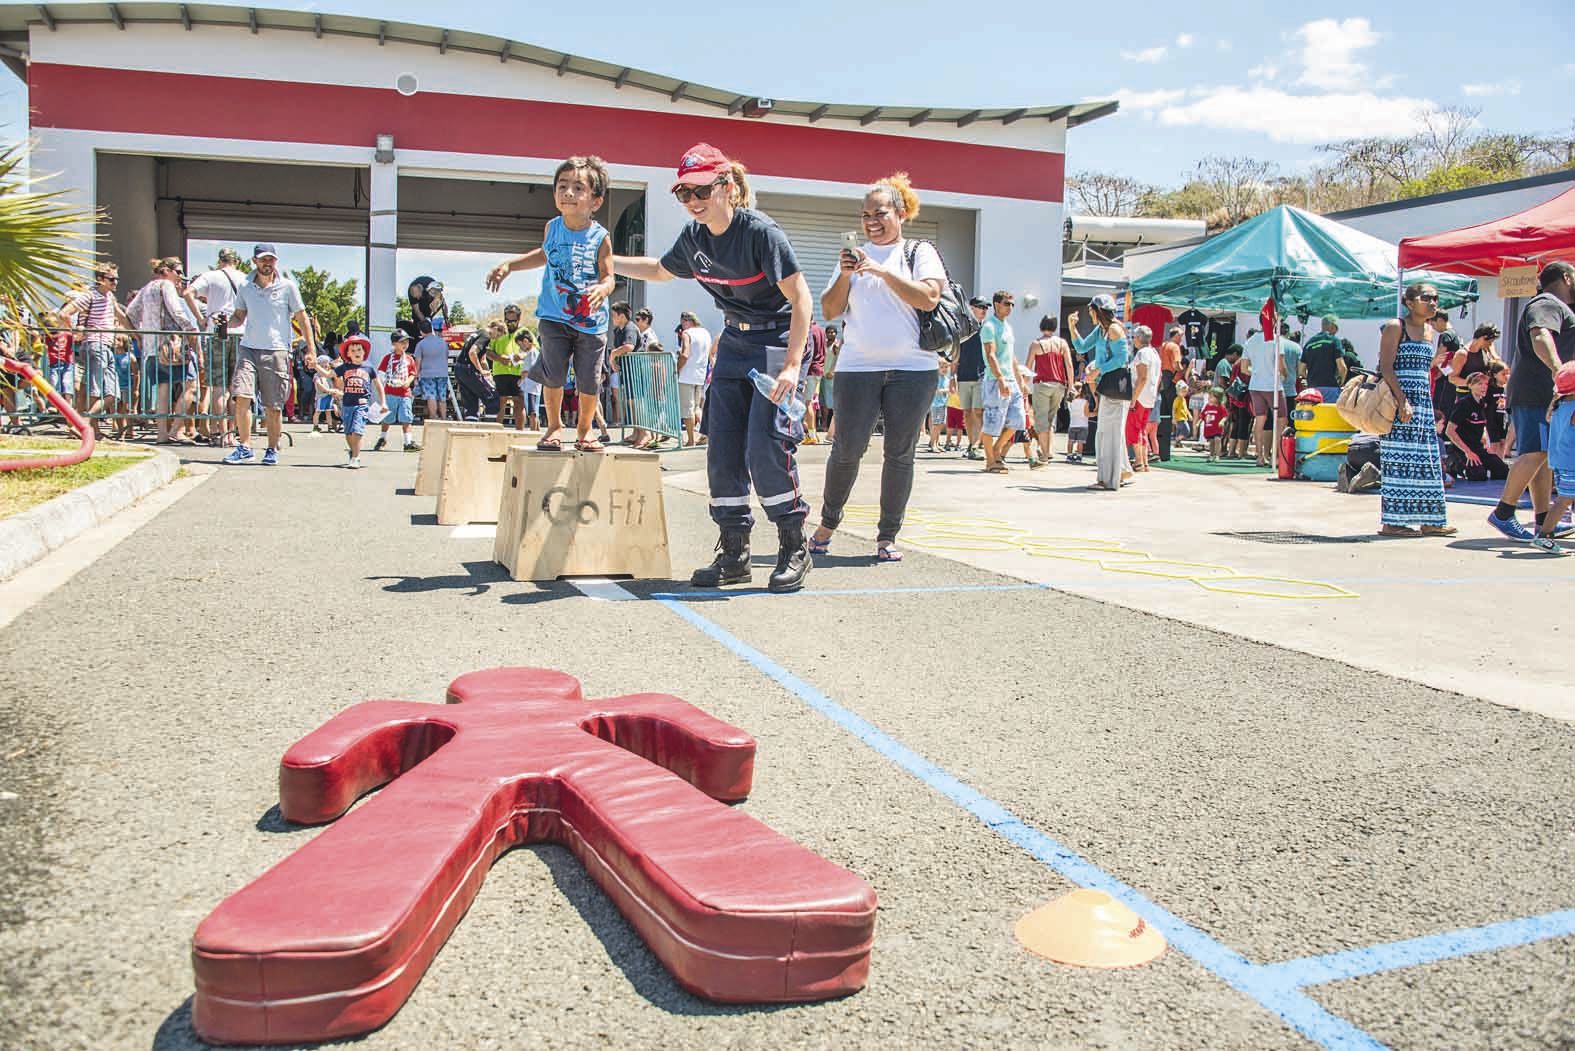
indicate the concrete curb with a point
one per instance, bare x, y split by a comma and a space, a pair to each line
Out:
27, 537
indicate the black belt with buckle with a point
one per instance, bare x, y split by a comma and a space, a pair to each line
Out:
758, 326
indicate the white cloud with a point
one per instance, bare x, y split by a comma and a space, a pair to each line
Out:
1223, 45
1186, 40
1508, 87
1148, 54
1141, 100
1298, 118
1329, 50
1264, 71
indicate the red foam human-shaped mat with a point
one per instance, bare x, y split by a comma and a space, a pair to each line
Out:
331, 941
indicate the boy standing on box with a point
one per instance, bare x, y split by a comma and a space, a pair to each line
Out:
572, 307
356, 380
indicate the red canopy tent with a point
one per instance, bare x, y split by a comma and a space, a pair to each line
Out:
1535, 235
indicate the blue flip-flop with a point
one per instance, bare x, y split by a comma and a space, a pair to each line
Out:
819, 547
888, 554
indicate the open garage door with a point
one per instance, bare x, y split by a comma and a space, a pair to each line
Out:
817, 239
243, 222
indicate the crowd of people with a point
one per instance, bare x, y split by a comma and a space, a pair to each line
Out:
1118, 390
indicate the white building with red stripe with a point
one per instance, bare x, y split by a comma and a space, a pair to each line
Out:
192, 121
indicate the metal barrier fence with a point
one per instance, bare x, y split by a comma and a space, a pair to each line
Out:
648, 392
130, 382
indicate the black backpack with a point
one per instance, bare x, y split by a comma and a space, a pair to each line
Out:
950, 322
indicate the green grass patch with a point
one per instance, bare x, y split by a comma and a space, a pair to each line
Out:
20, 490
32, 442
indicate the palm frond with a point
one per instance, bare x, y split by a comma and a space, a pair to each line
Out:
42, 246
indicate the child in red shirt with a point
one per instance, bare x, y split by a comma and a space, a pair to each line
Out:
1214, 415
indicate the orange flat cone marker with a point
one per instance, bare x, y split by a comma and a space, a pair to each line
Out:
1089, 928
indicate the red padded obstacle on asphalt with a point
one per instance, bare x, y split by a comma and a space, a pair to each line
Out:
331, 941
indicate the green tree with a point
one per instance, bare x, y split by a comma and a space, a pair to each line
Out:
457, 314
1443, 180
40, 246
1194, 200
332, 303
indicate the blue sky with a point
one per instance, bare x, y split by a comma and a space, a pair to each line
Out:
1194, 79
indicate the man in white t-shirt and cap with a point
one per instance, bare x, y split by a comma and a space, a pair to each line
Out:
267, 302
694, 364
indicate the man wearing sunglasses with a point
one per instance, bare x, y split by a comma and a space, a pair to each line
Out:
1544, 340
271, 301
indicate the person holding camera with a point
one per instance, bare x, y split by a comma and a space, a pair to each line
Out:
879, 286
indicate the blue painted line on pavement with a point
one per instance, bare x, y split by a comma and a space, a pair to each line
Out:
1355, 963
1275, 992
724, 596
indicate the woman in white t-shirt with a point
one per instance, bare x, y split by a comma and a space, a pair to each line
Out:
882, 371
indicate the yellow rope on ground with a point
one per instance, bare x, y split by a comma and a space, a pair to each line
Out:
941, 532
1156, 568
1329, 590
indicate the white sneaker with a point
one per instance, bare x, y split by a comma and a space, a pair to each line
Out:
355, 463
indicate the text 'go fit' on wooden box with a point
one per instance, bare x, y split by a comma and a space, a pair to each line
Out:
573, 514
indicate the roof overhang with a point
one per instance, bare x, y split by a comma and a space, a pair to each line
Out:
17, 19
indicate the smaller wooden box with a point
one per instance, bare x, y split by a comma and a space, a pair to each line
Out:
434, 443
472, 478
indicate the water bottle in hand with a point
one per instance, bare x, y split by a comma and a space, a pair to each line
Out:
794, 406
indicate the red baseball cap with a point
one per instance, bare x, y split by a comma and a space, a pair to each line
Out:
1564, 379
701, 165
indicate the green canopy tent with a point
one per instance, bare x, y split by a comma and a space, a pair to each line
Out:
1308, 264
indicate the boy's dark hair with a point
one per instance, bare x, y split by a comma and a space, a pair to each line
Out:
352, 328
645, 314
1050, 323
1235, 348
595, 170
621, 307
424, 327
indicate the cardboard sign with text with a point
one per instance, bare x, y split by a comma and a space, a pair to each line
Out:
1517, 282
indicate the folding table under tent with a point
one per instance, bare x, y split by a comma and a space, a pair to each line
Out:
1534, 236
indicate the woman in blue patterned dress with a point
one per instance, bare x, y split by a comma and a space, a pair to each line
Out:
1413, 476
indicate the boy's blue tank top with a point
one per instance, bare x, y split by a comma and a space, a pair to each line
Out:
571, 271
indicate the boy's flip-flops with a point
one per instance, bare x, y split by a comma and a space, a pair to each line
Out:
819, 547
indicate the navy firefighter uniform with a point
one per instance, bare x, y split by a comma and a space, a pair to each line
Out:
749, 439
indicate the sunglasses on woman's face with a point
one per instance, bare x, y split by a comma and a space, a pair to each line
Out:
1428, 297
687, 193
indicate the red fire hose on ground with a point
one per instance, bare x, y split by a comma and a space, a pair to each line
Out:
82, 427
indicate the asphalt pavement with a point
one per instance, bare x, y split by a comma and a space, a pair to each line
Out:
1284, 805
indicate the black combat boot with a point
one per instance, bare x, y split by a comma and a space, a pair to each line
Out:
793, 560
731, 565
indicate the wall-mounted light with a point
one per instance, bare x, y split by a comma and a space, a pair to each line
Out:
385, 150
758, 107
1030, 300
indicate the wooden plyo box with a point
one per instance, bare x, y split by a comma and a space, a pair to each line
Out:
567, 514
472, 476
434, 442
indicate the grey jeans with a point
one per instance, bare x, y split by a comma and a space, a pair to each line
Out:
903, 397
